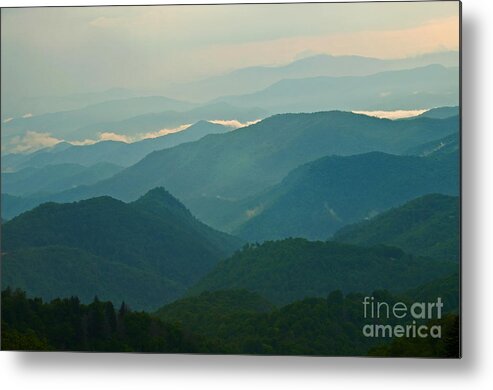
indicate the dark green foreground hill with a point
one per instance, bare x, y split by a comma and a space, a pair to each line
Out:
427, 226
292, 269
238, 321
235, 322
210, 311
29, 324
146, 252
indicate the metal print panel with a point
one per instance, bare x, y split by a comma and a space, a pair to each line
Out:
267, 179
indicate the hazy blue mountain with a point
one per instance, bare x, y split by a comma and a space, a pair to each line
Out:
427, 226
247, 161
318, 198
193, 133
154, 241
170, 119
14, 205
441, 112
418, 88
85, 155
66, 124
440, 147
292, 269
113, 152
244, 80
46, 104
445, 58
55, 178
240, 163
13, 161
252, 79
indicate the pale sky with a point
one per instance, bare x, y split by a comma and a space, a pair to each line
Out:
55, 51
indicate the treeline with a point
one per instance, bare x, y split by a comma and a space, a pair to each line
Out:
68, 325
289, 270
227, 322
330, 326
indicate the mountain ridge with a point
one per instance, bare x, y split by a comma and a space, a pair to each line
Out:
165, 243
254, 78
293, 269
115, 152
242, 163
428, 86
426, 226
317, 198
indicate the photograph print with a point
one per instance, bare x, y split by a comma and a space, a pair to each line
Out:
257, 179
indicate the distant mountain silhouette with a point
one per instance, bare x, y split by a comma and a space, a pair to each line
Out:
113, 152
46, 104
417, 88
441, 112
128, 117
170, 119
229, 167
67, 124
255, 78
55, 178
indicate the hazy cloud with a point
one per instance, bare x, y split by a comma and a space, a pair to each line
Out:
32, 141
233, 123
160, 133
84, 142
112, 136
397, 114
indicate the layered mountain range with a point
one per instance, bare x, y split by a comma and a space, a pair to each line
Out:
252, 217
